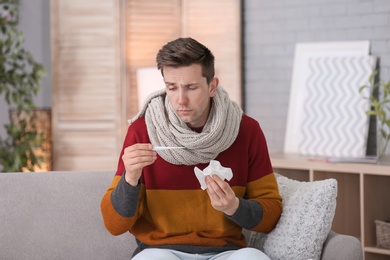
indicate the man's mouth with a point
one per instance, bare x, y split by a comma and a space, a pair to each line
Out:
184, 111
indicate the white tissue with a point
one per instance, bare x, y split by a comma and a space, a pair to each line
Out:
214, 167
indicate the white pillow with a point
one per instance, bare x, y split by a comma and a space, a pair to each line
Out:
308, 211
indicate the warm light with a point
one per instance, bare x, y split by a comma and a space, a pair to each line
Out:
149, 79
43, 126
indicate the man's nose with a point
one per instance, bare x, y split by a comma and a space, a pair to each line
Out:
182, 96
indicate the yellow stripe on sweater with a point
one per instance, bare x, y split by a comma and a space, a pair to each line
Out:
184, 211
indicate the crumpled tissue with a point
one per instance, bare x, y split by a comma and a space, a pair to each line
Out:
214, 167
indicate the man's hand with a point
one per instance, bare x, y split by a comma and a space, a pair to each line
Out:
221, 195
135, 158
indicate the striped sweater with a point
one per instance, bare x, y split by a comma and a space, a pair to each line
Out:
170, 210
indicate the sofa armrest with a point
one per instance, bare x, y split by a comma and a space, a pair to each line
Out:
341, 247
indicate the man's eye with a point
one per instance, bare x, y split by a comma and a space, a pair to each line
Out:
192, 87
171, 87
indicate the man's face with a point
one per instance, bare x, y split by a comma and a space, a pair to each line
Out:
189, 93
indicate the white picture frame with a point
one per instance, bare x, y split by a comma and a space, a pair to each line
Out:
304, 52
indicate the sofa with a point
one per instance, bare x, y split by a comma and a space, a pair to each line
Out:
56, 215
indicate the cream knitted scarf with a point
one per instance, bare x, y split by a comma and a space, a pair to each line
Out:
165, 128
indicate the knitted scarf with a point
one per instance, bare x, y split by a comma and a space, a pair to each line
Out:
165, 128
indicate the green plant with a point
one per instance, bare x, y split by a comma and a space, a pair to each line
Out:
20, 78
380, 108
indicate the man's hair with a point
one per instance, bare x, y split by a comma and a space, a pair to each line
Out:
185, 52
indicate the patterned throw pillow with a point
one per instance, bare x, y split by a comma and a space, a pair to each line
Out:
308, 211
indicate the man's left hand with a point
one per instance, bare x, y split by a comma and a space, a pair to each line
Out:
221, 195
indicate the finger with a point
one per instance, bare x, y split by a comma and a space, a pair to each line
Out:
139, 147
137, 156
217, 198
138, 150
139, 161
214, 189
221, 189
211, 187
221, 183
220, 186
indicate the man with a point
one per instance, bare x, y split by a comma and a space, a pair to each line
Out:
157, 197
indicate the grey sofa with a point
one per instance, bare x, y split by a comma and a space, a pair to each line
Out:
56, 215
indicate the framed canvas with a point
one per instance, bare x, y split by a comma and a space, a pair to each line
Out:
324, 79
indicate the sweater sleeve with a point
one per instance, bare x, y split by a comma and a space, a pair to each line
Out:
118, 216
269, 198
261, 207
248, 215
125, 197
262, 210
121, 204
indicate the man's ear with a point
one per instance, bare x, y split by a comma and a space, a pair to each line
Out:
213, 86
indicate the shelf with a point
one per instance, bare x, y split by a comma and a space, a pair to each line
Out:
376, 201
299, 175
376, 253
363, 194
292, 161
377, 250
348, 202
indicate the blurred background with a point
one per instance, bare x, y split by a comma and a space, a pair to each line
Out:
92, 49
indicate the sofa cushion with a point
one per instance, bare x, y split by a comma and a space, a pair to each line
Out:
308, 211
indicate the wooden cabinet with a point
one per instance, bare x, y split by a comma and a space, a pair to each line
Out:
363, 195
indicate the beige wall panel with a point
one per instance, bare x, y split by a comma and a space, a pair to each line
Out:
86, 151
217, 25
149, 25
73, 143
87, 105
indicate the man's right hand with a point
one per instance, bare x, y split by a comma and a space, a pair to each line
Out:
135, 158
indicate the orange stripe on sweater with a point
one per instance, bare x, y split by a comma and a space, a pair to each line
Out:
267, 189
186, 205
114, 223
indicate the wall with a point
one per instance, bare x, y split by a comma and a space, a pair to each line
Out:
271, 29
34, 22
